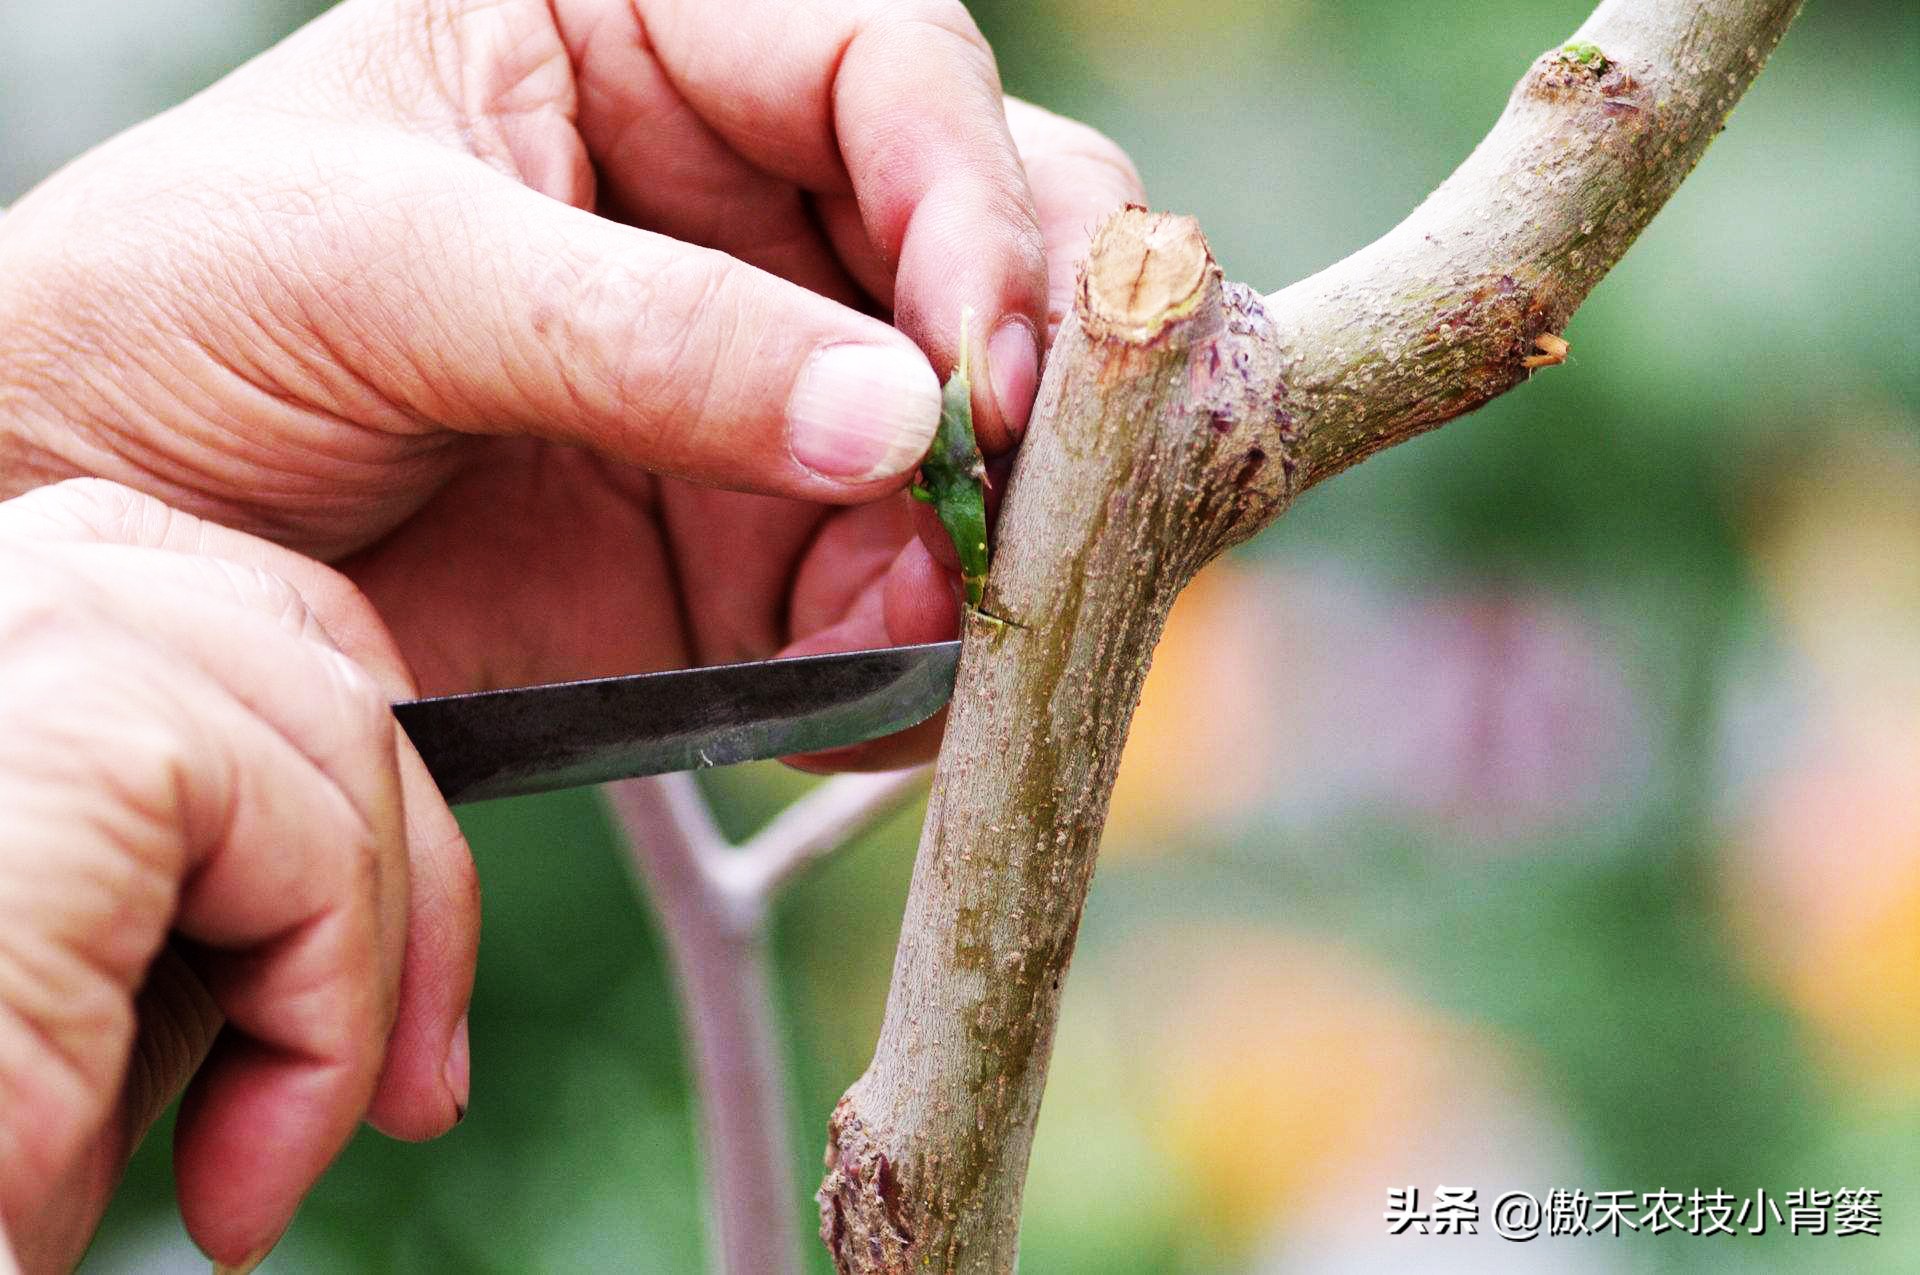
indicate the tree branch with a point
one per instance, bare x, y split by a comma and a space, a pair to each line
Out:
726, 1001
811, 829
1179, 414
712, 901
1441, 314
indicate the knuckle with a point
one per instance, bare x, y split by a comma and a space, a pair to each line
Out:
108, 732
264, 593
690, 362
660, 341
708, 297
1027, 241
333, 598
256, 591
365, 865
49, 610
1045, 137
1093, 147
29, 608
583, 312
301, 609
947, 18
153, 773
363, 705
909, 30
100, 509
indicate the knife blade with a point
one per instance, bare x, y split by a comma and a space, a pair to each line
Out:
567, 734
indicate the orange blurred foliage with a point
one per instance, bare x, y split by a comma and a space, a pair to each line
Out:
1286, 1069
1209, 732
1823, 883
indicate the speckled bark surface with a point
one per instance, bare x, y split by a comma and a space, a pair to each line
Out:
1179, 414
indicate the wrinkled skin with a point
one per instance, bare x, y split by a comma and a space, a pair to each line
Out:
497, 307
207, 814
344, 300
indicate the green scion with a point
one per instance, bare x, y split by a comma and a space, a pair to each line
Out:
953, 477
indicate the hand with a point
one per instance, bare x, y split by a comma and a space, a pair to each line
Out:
214, 844
484, 301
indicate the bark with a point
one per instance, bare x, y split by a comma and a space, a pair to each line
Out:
1180, 414
720, 961
713, 900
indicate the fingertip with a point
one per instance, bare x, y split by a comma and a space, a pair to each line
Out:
424, 1083
920, 599
942, 194
975, 251
458, 1071
257, 1128
932, 537
1013, 372
1078, 178
424, 1090
863, 413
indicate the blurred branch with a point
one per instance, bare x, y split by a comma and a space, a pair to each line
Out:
713, 902
1179, 415
726, 1001
811, 829
1462, 300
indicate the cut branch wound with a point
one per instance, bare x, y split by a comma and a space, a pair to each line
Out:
1178, 415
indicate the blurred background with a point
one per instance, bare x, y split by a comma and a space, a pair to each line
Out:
1537, 806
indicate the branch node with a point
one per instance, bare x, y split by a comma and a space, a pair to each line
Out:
1586, 56
861, 1219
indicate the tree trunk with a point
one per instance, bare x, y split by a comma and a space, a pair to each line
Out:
1180, 414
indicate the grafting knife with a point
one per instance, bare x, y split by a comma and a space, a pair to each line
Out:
567, 734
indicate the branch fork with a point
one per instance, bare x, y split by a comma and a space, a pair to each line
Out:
1178, 415
713, 900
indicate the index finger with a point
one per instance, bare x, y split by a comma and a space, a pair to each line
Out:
899, 101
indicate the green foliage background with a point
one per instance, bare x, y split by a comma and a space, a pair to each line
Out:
1765, 311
